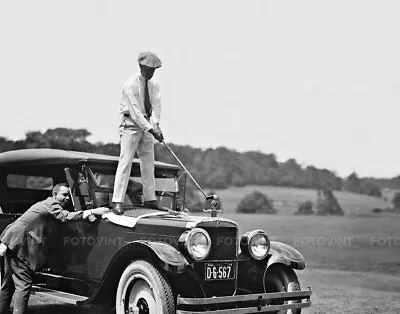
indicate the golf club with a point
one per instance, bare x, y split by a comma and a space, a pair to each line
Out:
208, 197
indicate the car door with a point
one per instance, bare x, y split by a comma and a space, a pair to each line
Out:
102, 241
70, 258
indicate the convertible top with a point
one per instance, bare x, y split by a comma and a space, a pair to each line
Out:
46, 156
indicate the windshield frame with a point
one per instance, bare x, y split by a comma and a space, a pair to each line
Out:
166, 199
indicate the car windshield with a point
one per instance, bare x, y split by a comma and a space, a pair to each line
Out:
166, 188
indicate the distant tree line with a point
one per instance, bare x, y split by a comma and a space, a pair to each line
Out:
215, 168
326, 205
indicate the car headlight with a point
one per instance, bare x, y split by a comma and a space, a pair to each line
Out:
197, 243
255, 244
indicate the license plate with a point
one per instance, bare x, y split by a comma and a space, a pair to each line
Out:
219, 271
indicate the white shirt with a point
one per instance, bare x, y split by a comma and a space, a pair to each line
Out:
133, 101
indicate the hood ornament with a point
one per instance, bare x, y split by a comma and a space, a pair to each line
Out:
214, 204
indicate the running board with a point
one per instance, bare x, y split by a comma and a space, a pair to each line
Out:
58, 295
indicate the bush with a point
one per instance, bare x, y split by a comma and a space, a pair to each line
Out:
396, 201
305, 208
327, 204
378, 210
256, 202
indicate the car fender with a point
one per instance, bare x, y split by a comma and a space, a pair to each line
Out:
169, 258
285, 254
251, 272
162, 254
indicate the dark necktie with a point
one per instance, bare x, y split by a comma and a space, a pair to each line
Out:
147, 103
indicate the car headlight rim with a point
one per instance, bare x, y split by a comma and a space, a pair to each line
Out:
247, 244
189, 237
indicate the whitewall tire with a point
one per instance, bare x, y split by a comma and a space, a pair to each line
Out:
143, 289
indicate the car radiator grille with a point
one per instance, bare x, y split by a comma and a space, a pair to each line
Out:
223, 248
224, 243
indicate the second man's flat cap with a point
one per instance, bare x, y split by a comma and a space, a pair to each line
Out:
149, 59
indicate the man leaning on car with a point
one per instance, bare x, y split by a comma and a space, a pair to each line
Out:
23, 245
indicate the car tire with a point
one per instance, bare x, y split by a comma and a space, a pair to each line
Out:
1, 268
2, 261
143, 287
281, 278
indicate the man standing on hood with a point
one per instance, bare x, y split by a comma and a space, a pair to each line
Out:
140, 110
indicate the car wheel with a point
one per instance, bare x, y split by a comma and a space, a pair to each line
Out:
281, 278
1, 268
143, 289
2, 258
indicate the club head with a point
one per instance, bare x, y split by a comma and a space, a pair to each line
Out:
211, 197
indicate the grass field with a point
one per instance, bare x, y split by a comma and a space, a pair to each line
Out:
346, 292
359, 241
352, 261
345, 243
286, 200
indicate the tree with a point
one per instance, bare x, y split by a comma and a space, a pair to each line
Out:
6, 145
352, 183
214, 168
61, 138
368, 187
256, 202
312, 177
266, 161
238, 180
35, 139
396, 201
217, 179
327, 204
272, 176
329, 180
291, 173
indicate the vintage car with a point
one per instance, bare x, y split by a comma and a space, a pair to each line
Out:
146, 260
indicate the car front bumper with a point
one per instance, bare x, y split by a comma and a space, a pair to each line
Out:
248, 303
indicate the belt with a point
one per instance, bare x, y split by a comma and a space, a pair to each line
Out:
127, 115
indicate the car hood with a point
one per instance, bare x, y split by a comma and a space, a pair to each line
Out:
178, 219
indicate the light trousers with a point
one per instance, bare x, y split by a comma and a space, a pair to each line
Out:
143, 142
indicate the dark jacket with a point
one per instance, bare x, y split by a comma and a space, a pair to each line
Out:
33, 234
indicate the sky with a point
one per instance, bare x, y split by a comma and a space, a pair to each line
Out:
314, 80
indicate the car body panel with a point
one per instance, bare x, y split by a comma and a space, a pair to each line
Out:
282, 253
106, 236
106, 239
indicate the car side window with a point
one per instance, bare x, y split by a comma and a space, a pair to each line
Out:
22, 181
19, 191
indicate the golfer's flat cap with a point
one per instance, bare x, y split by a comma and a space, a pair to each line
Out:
149, 59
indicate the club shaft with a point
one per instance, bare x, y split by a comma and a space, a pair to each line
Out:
184, 168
